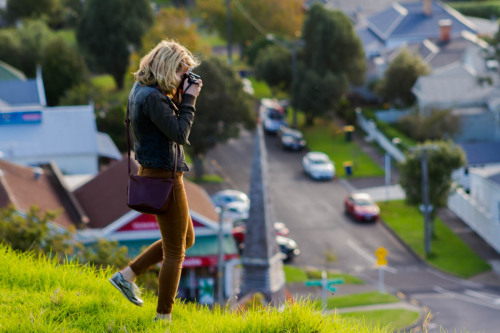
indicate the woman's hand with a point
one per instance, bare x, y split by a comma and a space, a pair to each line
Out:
194, 89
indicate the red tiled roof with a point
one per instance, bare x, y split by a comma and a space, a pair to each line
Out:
104, 197
18, 186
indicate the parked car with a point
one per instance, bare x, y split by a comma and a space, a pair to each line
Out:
235, 211
318, 165
226, 196
288, 247
289, 138
361, 207
272, 115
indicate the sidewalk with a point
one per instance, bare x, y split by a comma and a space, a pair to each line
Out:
376, 187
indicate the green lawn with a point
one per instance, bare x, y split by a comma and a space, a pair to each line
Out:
325, 136
104, 83
296, 274
207, 178
369, 298
40, 295
397, 318
448, 251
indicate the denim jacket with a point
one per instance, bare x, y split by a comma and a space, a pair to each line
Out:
156, 127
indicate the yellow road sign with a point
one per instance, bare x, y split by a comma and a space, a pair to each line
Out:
381, 253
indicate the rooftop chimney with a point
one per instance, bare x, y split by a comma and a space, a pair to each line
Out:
445, 30
428, 7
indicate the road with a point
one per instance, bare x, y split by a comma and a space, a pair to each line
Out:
314, 214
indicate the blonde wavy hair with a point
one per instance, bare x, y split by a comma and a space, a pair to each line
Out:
162, 63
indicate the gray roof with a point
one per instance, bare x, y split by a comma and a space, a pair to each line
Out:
62, 131
408, 21
16, 93
456, 84
8, 72
481, 153
107, 147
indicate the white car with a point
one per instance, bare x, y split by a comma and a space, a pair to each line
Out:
224, 197
272, 115
318, 165
236, 210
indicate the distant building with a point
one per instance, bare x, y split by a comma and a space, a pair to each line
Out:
32, 133
43, 186
409, 23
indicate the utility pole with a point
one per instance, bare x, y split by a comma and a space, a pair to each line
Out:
426, 208
294, 77
229, 33
220, 261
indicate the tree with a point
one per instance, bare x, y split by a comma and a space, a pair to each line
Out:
401, 76
438, 125
63, 68
32, 231
220, 109
332, 58
111, 122
103, 254
279, 17
273, 65
443, 157
109, 30
50, 10
23, 48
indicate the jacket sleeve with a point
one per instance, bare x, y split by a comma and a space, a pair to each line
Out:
176, 128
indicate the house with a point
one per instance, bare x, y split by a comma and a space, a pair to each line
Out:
43, 186
104, 200
410, 23
480, 208
32, 133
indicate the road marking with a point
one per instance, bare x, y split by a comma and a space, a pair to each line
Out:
370, 258
456, 280
465, 298
486, 296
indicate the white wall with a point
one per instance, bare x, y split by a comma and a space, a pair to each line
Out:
71, 164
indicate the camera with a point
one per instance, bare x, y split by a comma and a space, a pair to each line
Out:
191, 77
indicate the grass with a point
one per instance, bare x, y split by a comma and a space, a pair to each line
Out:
104, 83
369, 298
448, 252
295, 274
329, 138
397, 318
39, 295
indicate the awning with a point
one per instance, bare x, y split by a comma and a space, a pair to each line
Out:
202, 253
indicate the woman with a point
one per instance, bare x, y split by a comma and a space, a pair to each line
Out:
162, 108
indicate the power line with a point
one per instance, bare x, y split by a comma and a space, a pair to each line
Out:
249, 18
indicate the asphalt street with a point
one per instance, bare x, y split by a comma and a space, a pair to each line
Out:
313, 211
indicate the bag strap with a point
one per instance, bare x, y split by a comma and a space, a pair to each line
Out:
127, 122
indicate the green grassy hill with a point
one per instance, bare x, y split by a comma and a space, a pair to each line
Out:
38, 295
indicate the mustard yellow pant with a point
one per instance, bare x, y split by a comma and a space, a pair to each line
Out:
177, 235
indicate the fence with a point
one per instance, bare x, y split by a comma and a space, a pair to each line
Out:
374, 134
475, 217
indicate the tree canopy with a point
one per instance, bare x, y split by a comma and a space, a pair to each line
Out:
332, 58
279, 17
443, 157
274, 65
400, 77
110, 30
50, 10
221, 108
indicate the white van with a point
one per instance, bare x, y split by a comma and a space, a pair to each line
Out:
272, 115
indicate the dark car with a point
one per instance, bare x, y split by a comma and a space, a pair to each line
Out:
288, 247
361, 206
291, 139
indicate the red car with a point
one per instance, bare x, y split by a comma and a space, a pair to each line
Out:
240, 229
361, 206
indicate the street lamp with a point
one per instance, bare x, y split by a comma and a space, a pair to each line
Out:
293, 47
387, 165
220, 252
